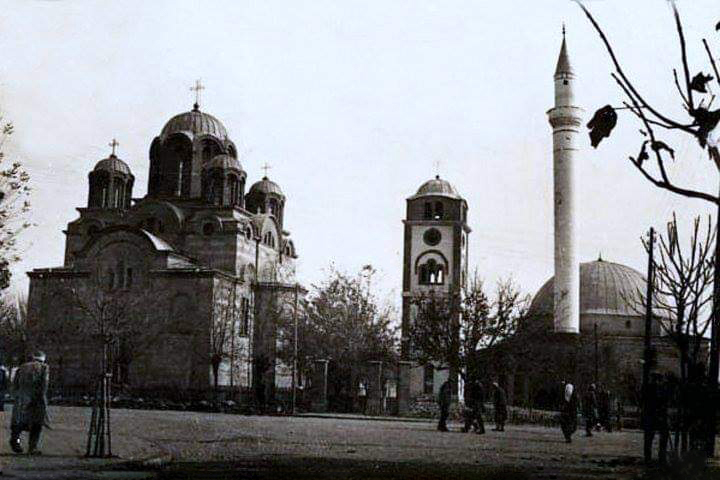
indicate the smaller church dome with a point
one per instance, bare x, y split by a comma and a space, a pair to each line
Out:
196, 123
223, 161
266, 186
112, 164
437, 187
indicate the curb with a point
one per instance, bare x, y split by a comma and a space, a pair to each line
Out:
371, 418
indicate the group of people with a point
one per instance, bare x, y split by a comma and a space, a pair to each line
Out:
28, 385
596, 406
474, 406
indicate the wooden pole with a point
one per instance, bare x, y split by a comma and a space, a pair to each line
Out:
295, 352
648, 317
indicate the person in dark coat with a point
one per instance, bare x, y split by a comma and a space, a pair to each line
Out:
500, 405
655, 417
603, 397
568, 412
474, 406
29, 413
4, 382
589, 406
444, 398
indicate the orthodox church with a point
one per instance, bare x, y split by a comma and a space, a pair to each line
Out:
198, 257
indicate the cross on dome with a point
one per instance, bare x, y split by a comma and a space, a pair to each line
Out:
266, 167
113, 144
197, 88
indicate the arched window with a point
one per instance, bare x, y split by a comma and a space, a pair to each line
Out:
208, 229
93, 229
432, 273
269, 239
428, 211
439, 211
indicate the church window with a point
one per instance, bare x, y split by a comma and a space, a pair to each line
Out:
428, 379
439, 211
128, 277
248, 233
269, 239
628, 324
245, 317
432, 273
111, 280
93, 229
208, 229
428, 211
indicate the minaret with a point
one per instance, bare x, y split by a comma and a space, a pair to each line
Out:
565, 120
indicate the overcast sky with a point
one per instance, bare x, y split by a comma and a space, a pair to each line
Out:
352, 103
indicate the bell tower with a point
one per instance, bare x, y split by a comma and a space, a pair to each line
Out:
434, 259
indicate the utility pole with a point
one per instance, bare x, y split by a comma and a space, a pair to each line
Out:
295, 351
595, 331
648, 314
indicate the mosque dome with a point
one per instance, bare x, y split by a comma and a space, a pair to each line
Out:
437, 187
223, 161
265, 186
112, 164
195, 123
606, 288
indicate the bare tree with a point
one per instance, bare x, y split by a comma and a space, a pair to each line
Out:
699, 122
449, 331
225, 328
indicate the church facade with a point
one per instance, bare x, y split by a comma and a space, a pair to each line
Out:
196, 265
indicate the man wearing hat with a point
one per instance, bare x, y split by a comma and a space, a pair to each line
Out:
30, 386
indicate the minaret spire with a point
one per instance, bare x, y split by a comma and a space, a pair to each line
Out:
565, 119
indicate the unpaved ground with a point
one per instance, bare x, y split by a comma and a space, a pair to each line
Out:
231, 446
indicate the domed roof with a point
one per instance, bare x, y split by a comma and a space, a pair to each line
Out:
112, 164
606, 288
223, 161
195, 122
266, 186
437, 187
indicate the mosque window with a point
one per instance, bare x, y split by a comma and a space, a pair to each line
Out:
428, 211
439, 211
432, 273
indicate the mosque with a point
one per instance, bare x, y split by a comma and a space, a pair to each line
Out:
199, 261
588, 305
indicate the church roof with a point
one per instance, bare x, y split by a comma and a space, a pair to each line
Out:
563, 63
266, 186
195, 122
606, 288
437, 187
112, 164
223, 161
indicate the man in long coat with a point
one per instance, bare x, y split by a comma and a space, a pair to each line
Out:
474, 406
444, 399
590, 408
30, 410
500, 405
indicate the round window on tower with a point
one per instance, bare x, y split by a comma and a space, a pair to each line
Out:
432, 236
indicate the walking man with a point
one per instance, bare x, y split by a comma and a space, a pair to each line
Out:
444, 403
500, 405
590, 405
474, 406
655, 417
30, 410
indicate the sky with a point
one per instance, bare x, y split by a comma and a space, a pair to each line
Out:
352, 103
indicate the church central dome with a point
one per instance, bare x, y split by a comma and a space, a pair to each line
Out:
195, 122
